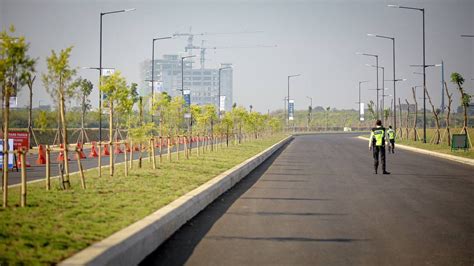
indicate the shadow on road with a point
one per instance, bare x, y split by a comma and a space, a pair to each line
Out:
180, 246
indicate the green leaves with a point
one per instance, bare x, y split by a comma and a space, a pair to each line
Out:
58, 79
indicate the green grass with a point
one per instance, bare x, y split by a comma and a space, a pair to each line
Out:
56, 224
442, 147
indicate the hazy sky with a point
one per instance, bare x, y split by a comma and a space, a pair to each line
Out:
315, 38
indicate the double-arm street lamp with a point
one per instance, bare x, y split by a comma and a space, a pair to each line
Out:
424, 63
102, 14
378, 89
288, 99
153, 71
394, 78
377, 77
219, 90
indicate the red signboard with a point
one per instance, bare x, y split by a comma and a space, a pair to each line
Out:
20, 139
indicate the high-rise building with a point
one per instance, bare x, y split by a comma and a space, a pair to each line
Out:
203, 83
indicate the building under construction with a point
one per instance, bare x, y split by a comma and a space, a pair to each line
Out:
203, 83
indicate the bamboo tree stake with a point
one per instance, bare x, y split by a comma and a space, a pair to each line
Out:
81, 171
21, 153
125, 160
99, 159
161, 149
131, 154
197, 145
186, 152
48, 168
152, 142
177, 147
169, 149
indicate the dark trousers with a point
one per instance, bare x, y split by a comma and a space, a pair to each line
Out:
392, 141
379, 150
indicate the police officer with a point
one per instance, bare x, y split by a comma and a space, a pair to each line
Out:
377, 145
391, 139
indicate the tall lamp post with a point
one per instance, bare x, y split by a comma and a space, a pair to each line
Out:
394, 78
377, 74
378, 89
424, 63
288, 99
102, 14
219, 91
153, 71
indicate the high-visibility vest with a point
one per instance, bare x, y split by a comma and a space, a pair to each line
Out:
391, 134
378, 135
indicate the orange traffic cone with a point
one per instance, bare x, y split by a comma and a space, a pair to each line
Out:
127, 147
106, 150
61, 154
117, 149
93, 153
136, 148
82, 155
41, 155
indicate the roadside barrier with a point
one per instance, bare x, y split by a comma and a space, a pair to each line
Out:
41, 155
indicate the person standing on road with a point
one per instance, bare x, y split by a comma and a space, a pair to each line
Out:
377, 145
391, 139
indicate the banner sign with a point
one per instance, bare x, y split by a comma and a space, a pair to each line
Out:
222, 103
10, 153
107, 71
361, 115
187, 98
291, 109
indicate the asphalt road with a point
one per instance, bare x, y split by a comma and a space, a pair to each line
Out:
317, 202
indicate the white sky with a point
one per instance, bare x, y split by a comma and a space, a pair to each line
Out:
315, 38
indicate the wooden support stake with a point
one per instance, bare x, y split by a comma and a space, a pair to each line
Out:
131, 154
177, 147
161, 149
125, 160
48, 168
152, 142
21, 153
169, 149
81, 170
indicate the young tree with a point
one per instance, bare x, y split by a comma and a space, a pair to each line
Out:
465, 98
30, 77
85, 88
415, 132
327, 117
370, 107
448, 114
13, 68
160, 107
436, 112
58, 82
116, 93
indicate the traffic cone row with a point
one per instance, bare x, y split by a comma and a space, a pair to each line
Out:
41, 155
82, 155
93, 153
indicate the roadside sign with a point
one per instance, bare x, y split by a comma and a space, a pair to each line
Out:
20, 140
459, 141
107, 71
10, 153
291, 109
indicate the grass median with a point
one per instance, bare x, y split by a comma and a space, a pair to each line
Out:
56, 224
442, 147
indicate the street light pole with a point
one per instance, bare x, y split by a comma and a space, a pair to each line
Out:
394, 78
288, 99
219, 91
153, 72
377, 74
424, 64
182, 72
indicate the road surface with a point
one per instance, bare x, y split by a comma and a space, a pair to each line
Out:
317, 202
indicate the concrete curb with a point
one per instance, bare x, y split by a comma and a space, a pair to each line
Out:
431, 153
132, 244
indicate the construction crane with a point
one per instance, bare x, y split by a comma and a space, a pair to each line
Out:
190, 46
204, 48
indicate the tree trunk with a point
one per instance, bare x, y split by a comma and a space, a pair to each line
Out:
408, 120
448, 114
30, 110
415, 134
400, 115
62, 112
6, 117
437, 137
